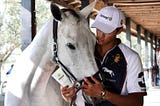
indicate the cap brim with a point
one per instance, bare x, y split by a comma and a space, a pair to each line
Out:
103, 27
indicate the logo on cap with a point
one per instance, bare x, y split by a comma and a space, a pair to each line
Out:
107, 18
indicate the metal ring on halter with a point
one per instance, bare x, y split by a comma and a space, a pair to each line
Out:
55, 46
77, 84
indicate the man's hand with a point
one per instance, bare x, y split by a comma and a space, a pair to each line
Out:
68, 93
92, 89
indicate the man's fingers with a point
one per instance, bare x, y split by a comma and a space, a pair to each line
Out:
64, 88
95, 80
84, 85
87, 81
68, 90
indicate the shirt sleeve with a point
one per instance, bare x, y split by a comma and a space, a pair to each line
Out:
135, 76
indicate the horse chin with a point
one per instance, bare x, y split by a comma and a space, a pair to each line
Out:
80, 75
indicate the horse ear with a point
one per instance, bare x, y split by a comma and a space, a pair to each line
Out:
87, 10
56, 11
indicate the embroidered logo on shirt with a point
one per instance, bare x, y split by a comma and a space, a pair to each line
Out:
117, 58
108, 71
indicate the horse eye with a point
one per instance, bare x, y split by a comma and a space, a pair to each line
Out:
71, 46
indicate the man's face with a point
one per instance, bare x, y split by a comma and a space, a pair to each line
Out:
103, 38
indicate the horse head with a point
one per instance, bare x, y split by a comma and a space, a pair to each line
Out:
75, 40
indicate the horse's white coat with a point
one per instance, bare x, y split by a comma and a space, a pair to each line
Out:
30, 83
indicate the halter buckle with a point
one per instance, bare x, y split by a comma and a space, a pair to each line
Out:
55, 47
77, 84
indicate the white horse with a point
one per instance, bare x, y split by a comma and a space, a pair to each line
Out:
30, 83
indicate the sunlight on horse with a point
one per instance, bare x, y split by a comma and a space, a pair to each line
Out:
30, 83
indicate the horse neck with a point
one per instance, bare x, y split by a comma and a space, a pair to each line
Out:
41, 42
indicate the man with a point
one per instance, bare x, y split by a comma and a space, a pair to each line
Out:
121, 72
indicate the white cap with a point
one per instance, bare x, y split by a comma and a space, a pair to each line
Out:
108, 19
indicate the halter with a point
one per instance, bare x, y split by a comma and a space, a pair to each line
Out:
70, 76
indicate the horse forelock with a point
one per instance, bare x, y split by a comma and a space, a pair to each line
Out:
74, 13
74, 31
71, 12
75, 26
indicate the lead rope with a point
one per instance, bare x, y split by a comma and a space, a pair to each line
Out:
73, 99
93, 101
